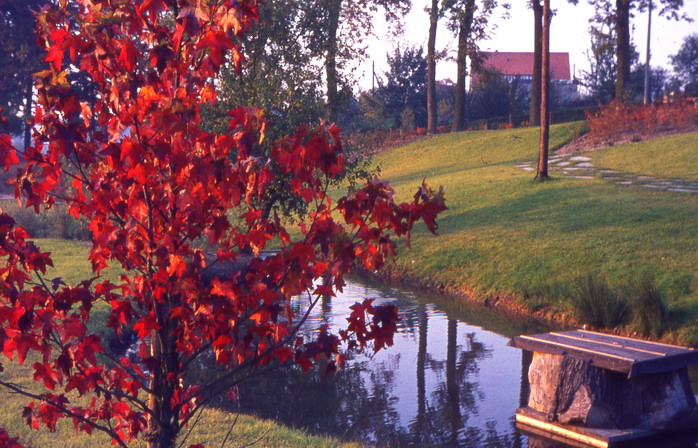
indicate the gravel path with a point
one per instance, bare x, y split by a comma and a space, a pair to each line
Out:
582, 167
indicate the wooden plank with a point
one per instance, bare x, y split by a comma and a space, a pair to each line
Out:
532, 431
555, 429
597, 437
626, 346
674, 362
590, 348
616, 365
669, 349
596, 348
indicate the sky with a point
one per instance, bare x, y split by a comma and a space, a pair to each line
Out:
568, 33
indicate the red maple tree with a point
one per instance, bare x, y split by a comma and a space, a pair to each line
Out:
152, 185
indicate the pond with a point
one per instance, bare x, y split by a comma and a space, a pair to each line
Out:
449, 380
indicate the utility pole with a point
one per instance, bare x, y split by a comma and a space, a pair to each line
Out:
373, 76
647, 58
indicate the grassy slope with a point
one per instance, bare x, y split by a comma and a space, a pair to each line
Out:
70, 259
505, 233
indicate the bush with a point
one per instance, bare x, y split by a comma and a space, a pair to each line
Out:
649, 312
634, 121
407, 119
595, 303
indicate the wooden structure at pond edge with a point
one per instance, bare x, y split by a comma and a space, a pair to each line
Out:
600, 390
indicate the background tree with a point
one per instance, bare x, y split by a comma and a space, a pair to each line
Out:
470, 20
345, 24
542, 171
617, 14
600, 80
405, 86
280, 72
685, 64
434, 14
153, 184
534, 114
19, 59
658, 78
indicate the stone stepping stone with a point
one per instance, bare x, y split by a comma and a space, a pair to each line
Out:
682, 190
581, 177
651, 186
584, 165
565, 163
527, 168
580, 159
625, 182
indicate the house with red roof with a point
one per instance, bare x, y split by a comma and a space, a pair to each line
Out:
518, 67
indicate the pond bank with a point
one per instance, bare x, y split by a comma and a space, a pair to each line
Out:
507, 305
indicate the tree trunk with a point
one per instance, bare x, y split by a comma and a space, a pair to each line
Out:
534, 115
421, 378
334, 8
163, 424
452, 387
431, 67
542, 173
622, 18
28, 111
464, 28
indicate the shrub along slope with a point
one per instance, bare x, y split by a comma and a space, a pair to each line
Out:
538, 243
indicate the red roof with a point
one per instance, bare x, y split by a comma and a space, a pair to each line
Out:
521, 64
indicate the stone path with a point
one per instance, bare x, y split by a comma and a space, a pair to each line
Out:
582, 167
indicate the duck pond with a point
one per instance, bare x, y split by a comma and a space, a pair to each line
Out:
449, 380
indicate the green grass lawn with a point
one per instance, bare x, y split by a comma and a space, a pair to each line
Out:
504, 233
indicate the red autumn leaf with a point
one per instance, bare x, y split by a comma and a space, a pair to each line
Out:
46, 374
8, 154
217, 42
145, 325
55, 57
129, 55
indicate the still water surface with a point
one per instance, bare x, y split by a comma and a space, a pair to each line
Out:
450, 379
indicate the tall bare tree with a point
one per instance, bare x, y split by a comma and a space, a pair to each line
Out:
470, 20
534, 114
542, 172
464, 20
431, 67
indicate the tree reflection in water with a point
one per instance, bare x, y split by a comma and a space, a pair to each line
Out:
415, 394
